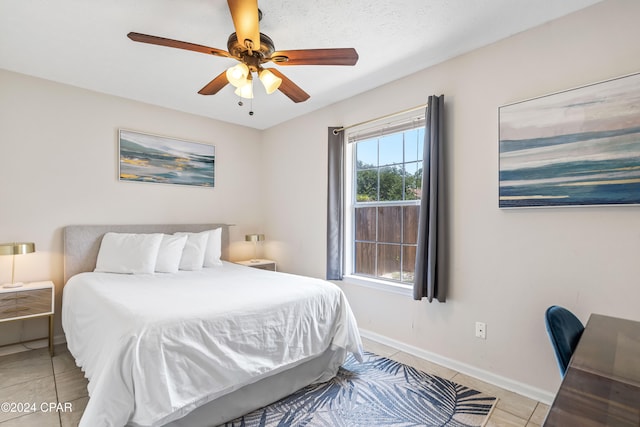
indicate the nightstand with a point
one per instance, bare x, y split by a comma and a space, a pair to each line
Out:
262, 264
33, 299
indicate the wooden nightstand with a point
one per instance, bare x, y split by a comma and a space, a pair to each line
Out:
262, 264
33, 299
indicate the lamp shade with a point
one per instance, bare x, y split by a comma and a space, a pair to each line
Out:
237, 75
245, 91
254, 237
13, 249
17, 248
270, 81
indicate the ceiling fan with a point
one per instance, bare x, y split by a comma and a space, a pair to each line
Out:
252, 49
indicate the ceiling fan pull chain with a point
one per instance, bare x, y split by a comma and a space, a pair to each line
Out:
251, 104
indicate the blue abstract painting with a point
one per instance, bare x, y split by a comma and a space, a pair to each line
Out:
151, 158
577, 147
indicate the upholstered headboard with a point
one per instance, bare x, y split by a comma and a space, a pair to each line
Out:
82, 242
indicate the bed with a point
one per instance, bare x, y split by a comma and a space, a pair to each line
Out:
195, 348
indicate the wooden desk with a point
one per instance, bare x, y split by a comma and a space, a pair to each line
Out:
602, 384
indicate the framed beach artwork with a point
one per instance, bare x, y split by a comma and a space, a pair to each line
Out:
158, 159
573, 148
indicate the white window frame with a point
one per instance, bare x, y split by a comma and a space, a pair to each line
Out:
403, 288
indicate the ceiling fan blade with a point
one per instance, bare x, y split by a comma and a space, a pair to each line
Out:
161, 41
346, 56
246, 21
215, 85
289, 88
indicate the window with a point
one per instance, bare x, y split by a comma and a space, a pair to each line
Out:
384, 181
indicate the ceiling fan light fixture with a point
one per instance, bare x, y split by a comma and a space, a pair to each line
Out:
270, 81
237, 75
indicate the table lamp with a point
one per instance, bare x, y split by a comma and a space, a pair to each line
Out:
255, 238
14, 249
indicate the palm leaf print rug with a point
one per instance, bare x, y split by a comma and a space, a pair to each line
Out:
376, 392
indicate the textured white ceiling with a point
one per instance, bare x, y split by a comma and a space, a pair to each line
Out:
83, 43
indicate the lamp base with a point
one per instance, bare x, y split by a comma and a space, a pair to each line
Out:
13, 285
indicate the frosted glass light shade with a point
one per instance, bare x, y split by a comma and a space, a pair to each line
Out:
245, 91
270, 81
237, 75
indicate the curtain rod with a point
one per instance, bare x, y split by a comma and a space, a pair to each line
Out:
388, 116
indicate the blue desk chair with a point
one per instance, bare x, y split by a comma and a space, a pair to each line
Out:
564, 330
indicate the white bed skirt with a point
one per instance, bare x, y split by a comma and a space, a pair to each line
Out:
263, 392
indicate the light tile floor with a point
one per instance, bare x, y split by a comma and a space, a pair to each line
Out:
35, 382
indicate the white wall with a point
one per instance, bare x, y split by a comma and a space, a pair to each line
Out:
58, 166
506, 266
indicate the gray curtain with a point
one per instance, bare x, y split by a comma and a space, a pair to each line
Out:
335, 189
430, 279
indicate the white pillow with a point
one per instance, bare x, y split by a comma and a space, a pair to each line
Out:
214, 249
194, 250
128, 253
170, 253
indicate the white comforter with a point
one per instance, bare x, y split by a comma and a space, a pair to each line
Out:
154, 347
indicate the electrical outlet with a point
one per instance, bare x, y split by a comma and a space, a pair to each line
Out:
481, 330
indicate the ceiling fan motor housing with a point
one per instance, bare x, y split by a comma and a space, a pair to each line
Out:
252, 58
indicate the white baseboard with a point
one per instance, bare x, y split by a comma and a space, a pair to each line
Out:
19, 348
31, 345
497, 380
59, 339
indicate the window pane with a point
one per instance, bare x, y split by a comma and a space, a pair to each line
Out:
391, 183
389, 261
412, 181
367, 190
408, 263
366, 224
391, 149
367, 154
389, 224
365, 259
410, 224
411, 146
420, 143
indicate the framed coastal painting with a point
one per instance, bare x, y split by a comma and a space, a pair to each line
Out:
158, 159
573, 148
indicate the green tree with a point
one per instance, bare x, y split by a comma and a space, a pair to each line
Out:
392, 180
391, 183
367, 186
413, 185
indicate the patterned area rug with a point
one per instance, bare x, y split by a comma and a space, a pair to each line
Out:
377, 392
